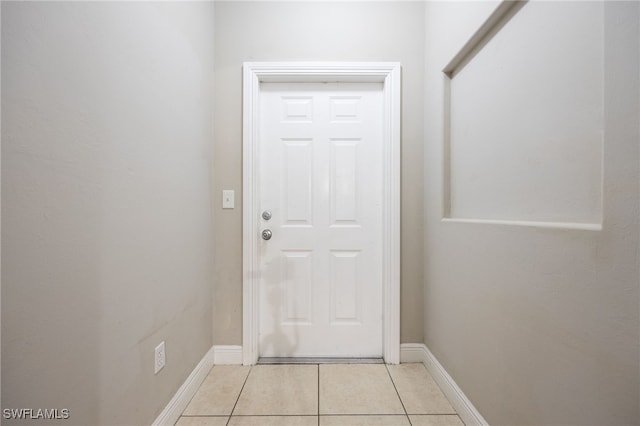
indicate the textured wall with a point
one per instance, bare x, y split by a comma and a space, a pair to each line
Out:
520, 109
106, 211
314, 31
539, 325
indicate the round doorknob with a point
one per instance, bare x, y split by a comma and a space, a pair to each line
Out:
267, 234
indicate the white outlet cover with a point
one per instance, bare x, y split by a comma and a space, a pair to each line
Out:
159, 358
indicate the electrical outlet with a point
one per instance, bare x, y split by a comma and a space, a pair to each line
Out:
160, 358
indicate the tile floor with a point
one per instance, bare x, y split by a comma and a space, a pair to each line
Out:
319, 395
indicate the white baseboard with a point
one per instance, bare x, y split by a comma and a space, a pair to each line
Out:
418, 352
413, 352
175, 407
227, 355
232, 355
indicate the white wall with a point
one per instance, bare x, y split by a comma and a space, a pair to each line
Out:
314, 31
537, 325
106, 211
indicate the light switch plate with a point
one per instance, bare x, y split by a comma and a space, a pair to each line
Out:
228, 199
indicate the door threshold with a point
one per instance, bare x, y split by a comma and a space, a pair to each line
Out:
296, 360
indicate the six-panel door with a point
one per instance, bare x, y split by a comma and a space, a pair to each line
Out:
320, 177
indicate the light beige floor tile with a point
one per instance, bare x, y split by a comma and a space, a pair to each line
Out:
280, 390
202, 421
219, 391
357, 389
274, 421
391, 420
435, 420
419, 392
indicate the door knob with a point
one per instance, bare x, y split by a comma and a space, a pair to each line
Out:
267, 234
266, 215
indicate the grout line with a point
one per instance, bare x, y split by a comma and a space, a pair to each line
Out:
369, 415
206, 415
398, 393
194, 394
239, 393
323, 415
269, 415
440, 415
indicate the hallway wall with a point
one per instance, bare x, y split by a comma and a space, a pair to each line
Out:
529, 305
106, 211
314, 31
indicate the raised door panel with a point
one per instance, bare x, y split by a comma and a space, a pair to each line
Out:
297, 175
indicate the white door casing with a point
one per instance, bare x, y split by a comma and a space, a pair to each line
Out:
388, 74
321, 181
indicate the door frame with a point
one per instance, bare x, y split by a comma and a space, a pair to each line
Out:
387, 73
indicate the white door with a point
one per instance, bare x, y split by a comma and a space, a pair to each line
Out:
321, 180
